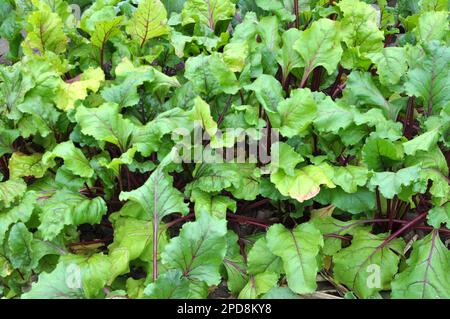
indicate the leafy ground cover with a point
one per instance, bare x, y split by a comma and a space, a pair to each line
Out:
95, 203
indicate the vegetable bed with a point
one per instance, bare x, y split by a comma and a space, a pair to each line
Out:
224, 149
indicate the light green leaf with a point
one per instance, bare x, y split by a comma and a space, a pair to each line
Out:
258, 285
199, 249
429, 80
305, 183
91, 271
157, 196
210, 75
207, 12
284, 157
202, 113
331, 117
132, 240
261, 259
380, 154
55, 285
216, 206
45, 33
426, 274
298, 250
391, 64
439, 215
350, 177
235, 54
287, 56
69, 93
364, 267
21, 212
11, 190
74, 159
432, 25
361, 88
323, 46
104, 30
359, 31
68, 208
215, 177
268, 91
170, 285
105, 123
148, 21
423, 142
21, 165
390, 183
296, 113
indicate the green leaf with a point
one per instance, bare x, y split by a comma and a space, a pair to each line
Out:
432, 25
125, 93
20, 247
423, 142
69, 93
13, 87
157, 196
305, 183
350, 177
296, 113
170, 285
268, 31
215, 177
57, 285
202, 113
391, 64
7, 137
261, 259
390, 183
74, 159
234, 55
91, 271
364, 267
323, 47
210, 75
10, 191
216, 206
439, 215
361, 201
298, 250
361, 88
268, 91
235, 265
23, 251
199, 249
259, 285
45, 33
380, 154
287, 56
359, 31
68, 208
132, 240
20, 213
104, 30
105, 123
21, 165
148, 21
426, 273
284, 157
429, 80
207, 12
331, 117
